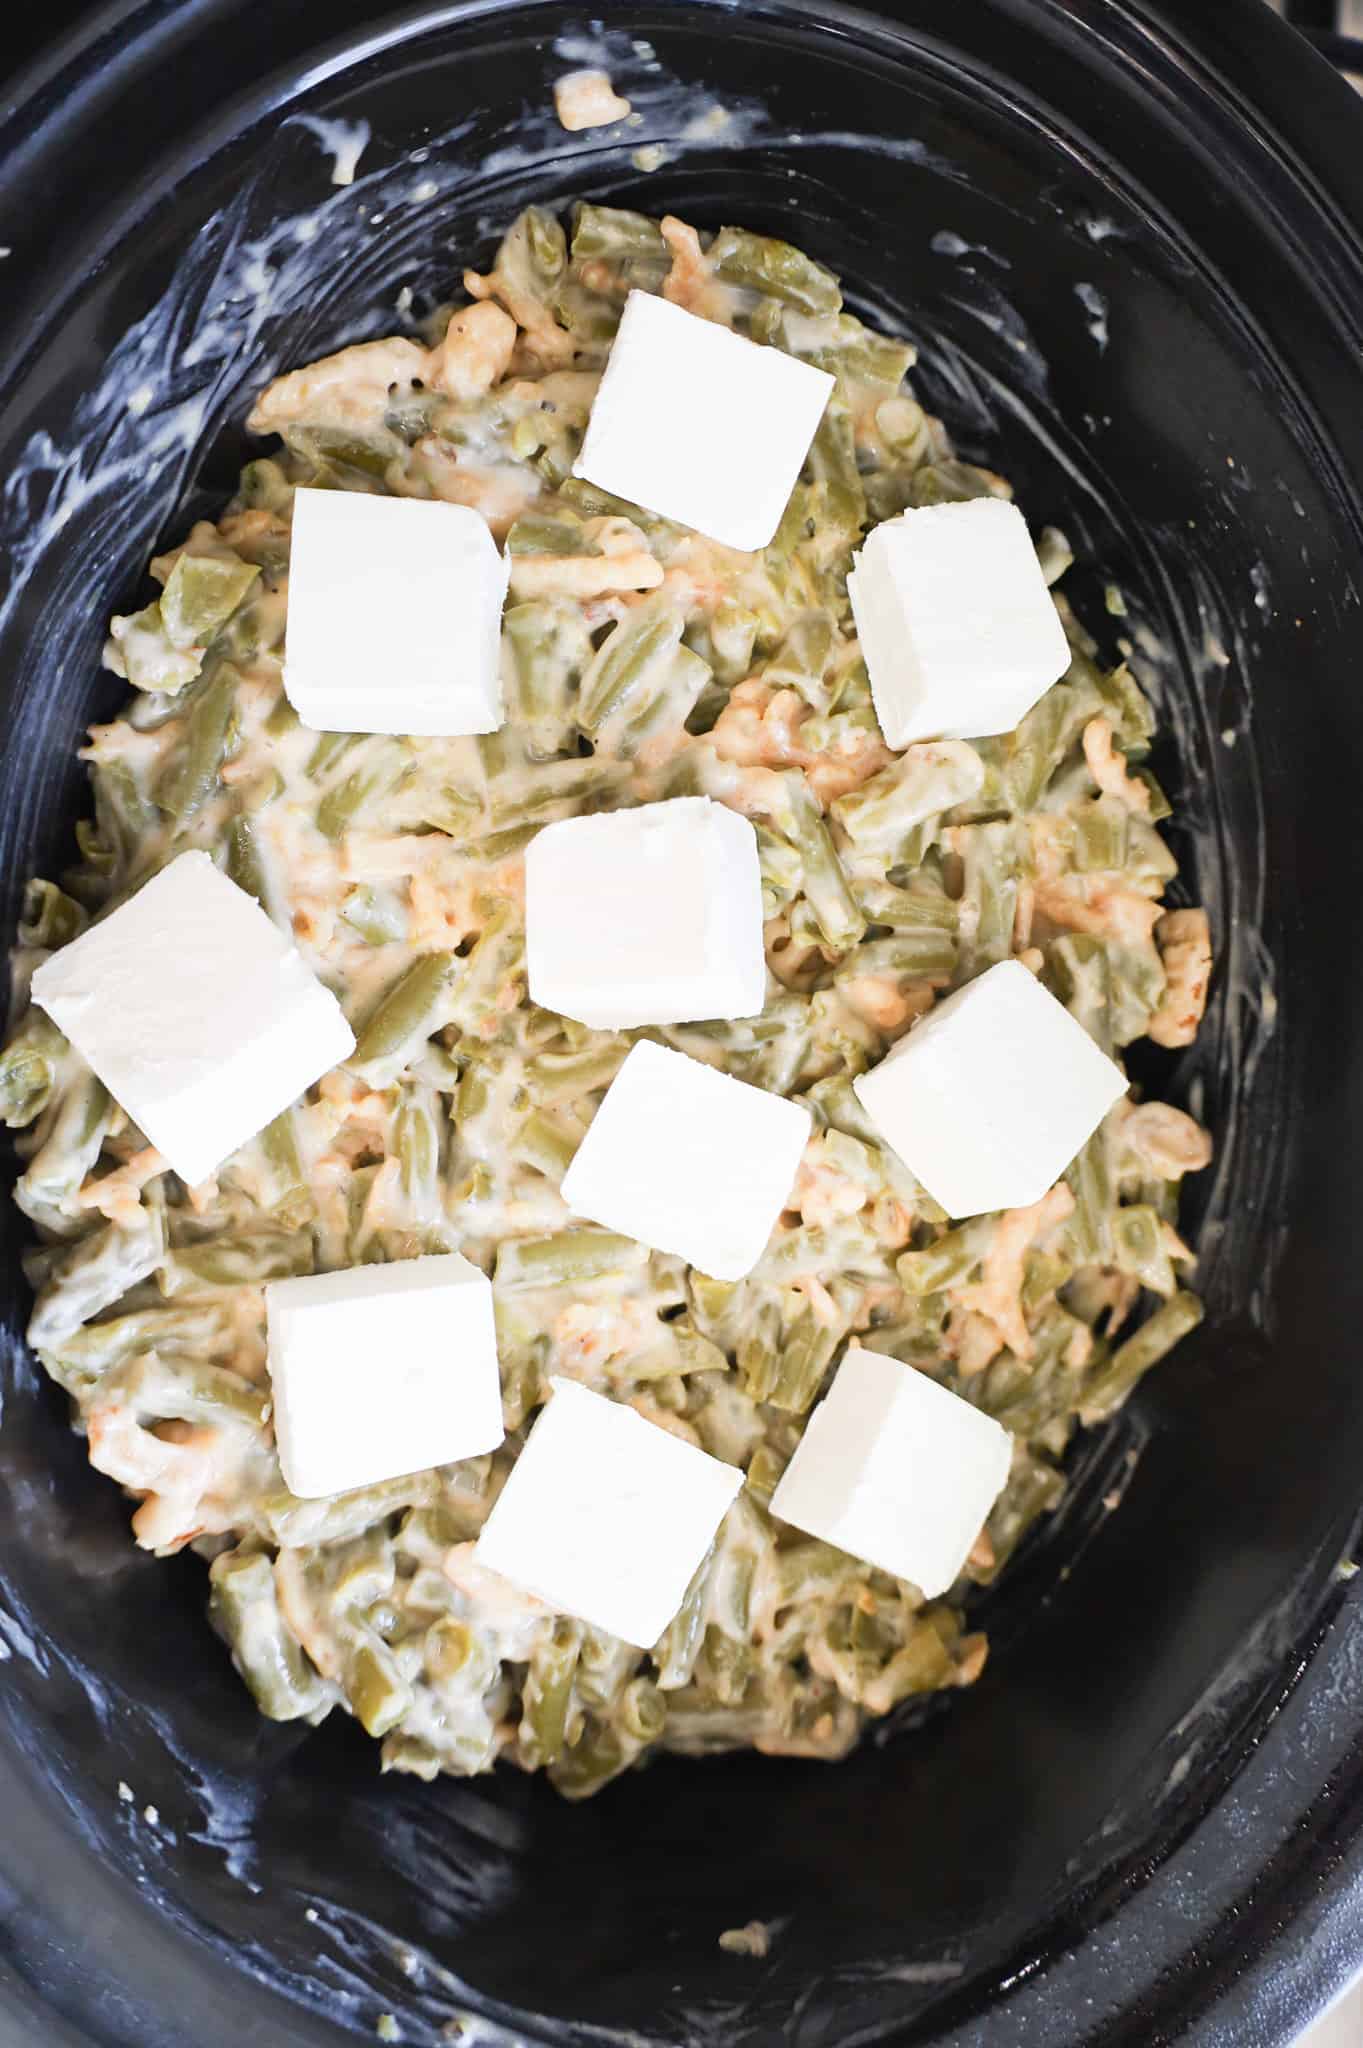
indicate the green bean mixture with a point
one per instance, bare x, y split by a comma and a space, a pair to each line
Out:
641, 661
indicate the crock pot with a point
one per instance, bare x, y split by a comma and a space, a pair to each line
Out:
1130, 243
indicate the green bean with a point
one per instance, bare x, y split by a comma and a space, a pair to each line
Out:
856, 354
1100, 835
298, 1524
378, 915
416, 1140
803, 1567
244, 1609
921, 1665
547, 1146
1046, 735
925, 780
949, 1262
1126, 705
85, 1356
92, 1274
246, 1260
677, 1648
764, 1471
555, 1077
630, 664
486, 980
807, 1350
598, 1756
781, 868
549, 651
989, 895
210, 737
49, 919
776, 268
732, 632
188, 1391
1136, 981
263, 486
801, 660
534, 251
1034, 1489
330, 750
832, 462
1156, 1337
594, 503
1139, 1249
1089, 1179
200, 596
546, 1698
1053, 553
558, 790
568, 1258
758, 1351
412, 1011
643, 1710
543, 533
378, 1694
924, 954
365, 786
1046, 1273
71, 1145
244, 864
142, 652
825, 884
282, 720
1079, 973
612, 231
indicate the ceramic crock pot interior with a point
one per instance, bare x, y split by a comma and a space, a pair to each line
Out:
1117, 314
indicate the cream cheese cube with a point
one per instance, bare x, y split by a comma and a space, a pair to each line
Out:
895, 1470
990, 1097
700, 425
606, 1517
646, 916
689, 1161
381, 1371
395, 615
957, 628
196, 1013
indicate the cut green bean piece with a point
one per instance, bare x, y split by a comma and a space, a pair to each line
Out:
49, 918
546, 1701
631, 664
949, 1262
296, 1524
1139, 1247
927, 779
408, 1015
201, 595
825, 884
92, 1274
378, 915
244, 1609
142, 652
68, 1152
1154, 1340
378, 1694
568, 1258
28, 1067
361, 790
763, 264
548, 652
209, 739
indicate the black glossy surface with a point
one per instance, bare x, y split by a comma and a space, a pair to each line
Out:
1208, 458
